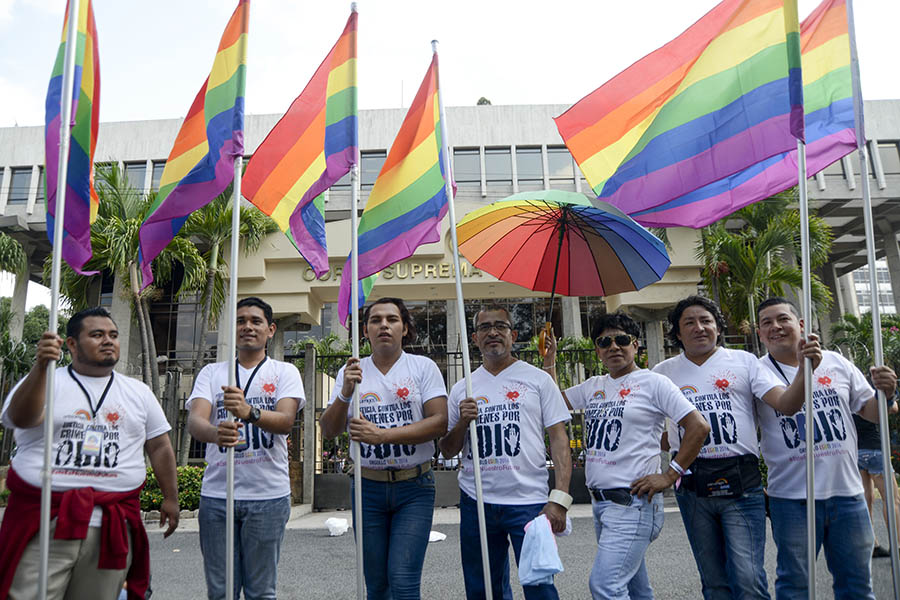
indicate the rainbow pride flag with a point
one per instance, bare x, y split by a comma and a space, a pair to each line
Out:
313, 145
409, 198
201, 163
708, 104
830, 130
81, 197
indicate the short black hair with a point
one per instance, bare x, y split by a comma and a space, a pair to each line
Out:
410, 336
492, 307
683, 305
74, 326
775, 300
616, 320
261, 304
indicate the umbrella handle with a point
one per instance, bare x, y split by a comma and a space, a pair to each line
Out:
542, 338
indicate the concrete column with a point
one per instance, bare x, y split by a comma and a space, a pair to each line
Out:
892, 253
309, 425
276, 344
655, 342
848, 294
827, 320
454, 365
224, 330
571, 317
20, 295
121, 312
337, 328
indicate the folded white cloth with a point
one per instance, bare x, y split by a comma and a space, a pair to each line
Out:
539, 559
337, 526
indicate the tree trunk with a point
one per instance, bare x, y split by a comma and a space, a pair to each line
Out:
136, 305
154, 371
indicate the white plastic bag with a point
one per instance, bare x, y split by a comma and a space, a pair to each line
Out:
336, 526
539, 559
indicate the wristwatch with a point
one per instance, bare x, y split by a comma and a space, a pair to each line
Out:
254, 414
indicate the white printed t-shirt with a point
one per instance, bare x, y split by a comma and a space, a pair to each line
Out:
260, 470
839, 390
623, 420
395, 400
514, 408
105, 450
722, 389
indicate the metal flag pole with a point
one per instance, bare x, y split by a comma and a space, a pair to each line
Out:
232, 352
806, 309
859, 117
354, 335
65, 119
464, 338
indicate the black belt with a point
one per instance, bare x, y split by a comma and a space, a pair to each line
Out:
615, 495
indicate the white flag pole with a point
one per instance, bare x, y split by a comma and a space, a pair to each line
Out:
463, 338
232, 352
65, 118
354, 335
806, 309
878, 347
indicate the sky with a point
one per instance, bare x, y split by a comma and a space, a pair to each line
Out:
154, 55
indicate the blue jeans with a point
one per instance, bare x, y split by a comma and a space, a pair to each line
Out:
623, 535
728, 539
396, 523
258, 531
505, 523
870, 460
842, 526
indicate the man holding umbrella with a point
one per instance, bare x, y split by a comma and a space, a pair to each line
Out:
516, 403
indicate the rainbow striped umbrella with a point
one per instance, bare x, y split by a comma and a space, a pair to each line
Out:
562, 243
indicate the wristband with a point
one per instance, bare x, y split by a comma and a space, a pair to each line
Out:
344, 399
549, 367
561, 498
677, 468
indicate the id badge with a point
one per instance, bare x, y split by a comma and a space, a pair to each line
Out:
242, 438
93, 439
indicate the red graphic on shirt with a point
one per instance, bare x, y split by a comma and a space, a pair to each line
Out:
403, 393
112, 417
512, 395
624, 392
825, 380
269, 388
722, 384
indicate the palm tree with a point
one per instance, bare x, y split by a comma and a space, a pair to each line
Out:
12, 255
745, 267
211, 228
855, 335
115, 243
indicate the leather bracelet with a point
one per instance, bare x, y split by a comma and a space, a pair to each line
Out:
549, 367
561, 498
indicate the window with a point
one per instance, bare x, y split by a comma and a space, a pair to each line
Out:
498, 166
559, 163
19, 185
467, 167
158, 167
41, 189
530, 168
370, 164
135, 174
890, 158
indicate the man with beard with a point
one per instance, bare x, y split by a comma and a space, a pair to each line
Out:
103, 423
516, 403
265, 400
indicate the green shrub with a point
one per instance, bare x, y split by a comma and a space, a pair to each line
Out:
190, 479
4, 497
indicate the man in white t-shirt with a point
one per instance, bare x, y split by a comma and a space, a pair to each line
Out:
103, 422
624, 415
721, 501
842, 519
265, 400
514, 404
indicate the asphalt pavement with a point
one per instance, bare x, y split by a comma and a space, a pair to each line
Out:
314, 565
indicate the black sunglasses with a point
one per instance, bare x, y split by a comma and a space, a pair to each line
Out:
621, 340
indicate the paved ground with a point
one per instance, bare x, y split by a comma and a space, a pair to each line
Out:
314, 565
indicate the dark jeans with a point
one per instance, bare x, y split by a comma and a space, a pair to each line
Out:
396, 523
505, 523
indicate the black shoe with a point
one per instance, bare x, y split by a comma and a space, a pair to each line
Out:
880, 552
